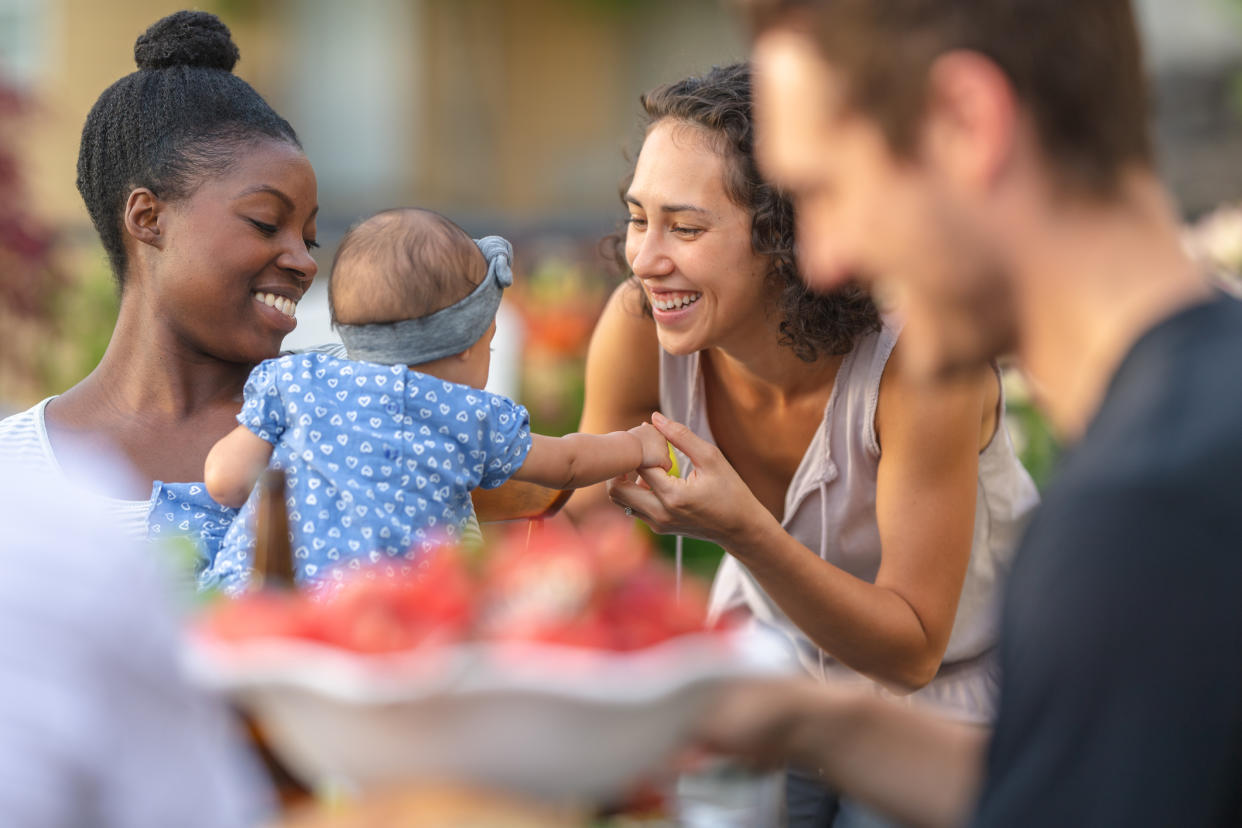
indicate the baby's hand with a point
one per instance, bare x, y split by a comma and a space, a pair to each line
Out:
655, 450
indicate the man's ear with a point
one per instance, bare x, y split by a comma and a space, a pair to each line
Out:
971, 120
143, 217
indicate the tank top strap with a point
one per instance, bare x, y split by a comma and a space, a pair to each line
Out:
860, 392
681, 389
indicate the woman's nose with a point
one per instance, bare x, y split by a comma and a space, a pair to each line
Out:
297, 260
650, 258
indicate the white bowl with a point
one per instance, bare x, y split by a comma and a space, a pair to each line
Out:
547, 721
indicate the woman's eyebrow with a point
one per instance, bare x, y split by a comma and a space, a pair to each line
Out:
270, 190
683, 208
670, 208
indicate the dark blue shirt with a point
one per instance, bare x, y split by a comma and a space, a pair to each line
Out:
1121, 640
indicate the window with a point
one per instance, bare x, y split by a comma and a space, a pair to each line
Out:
23, 40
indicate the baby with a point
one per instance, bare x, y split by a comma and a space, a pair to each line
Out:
382, 449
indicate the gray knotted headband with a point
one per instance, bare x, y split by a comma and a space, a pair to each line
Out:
446, 332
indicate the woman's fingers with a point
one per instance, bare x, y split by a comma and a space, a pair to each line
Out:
660, 482
641, 500
700, 452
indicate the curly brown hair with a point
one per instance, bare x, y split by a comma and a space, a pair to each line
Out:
719, 102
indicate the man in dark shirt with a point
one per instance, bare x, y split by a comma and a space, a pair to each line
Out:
1122, 635
990, 161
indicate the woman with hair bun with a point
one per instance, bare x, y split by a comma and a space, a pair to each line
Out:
868, 519
205, 204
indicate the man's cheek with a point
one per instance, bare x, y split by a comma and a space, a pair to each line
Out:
923, 332
819, 248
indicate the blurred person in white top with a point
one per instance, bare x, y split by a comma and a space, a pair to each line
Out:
97, 724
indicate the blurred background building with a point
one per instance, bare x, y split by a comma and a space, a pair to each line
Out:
504, 112
510, 116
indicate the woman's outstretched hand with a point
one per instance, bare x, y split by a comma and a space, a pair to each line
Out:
711, 503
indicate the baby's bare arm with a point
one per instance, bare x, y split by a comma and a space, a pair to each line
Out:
577, 459
234, 464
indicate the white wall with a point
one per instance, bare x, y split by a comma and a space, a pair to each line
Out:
352, 92
1191, 32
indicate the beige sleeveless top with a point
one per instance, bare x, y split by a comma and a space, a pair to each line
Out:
830, 508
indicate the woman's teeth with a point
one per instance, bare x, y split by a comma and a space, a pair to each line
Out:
673, 301
286, 306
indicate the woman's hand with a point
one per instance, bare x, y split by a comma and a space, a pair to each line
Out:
712, 503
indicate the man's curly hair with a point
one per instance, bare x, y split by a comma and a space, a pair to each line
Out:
719, 103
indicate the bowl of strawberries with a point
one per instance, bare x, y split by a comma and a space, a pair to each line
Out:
559, 664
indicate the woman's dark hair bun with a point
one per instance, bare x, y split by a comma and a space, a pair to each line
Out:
180, 119
187, 38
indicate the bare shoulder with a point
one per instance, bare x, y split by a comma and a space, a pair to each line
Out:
913, 404
623, 324
623, 365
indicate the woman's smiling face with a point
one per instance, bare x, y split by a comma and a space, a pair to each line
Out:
690, 245
237, 255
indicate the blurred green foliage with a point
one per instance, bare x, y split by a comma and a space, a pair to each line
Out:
84, 313
31, 275
1037, 447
